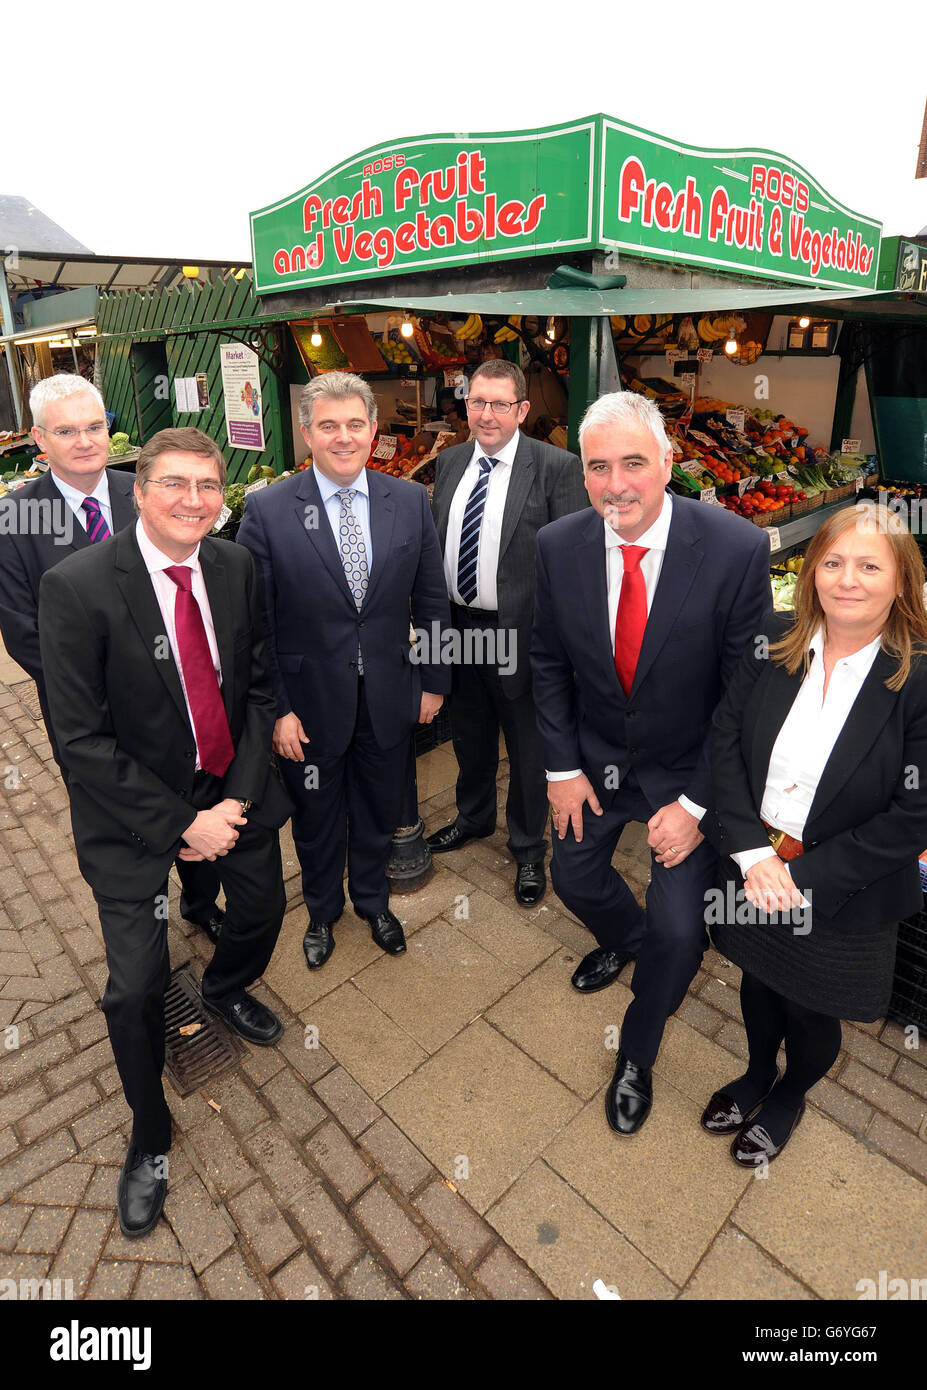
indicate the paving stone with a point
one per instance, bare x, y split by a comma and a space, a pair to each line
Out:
899, 1144
16, 963
349, 1102
26, 1267
12, 1220
34, 1161
261, 1064
465, 1233
75, 1007
911, 1076
297, 1108
733, 1036
16, 1066
503, 1276
400, 1160
86, 1063
45, 1230
221, 1157
275, 1157
310, 1062
23, 1101
735, 1268
302, 1280
61, 977
101, 1189
100, 1121
112, 1281
58, 1112
885, 1095
109, 1080
40, 939
259, 1220
438, 896
367, 1281
338, 1159
843, 1107
722, 995
8, 1142
109, 1148
868, 1050
78, 1254
231, 1279
239, 1102
24, 910
85, 944
64, 1186
25, 987
433, 1278
197, 1223
374, 1049
699, 1015
192, 1110
388, 1225
160, 1245
332, 1238
167, 1282
287, 974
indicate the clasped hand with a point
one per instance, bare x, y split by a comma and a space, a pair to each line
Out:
769, 886
213, 833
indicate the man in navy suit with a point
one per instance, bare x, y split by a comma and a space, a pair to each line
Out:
644, 606
77, 503
347, 558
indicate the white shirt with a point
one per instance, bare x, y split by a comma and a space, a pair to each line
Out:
360, 507
75, 497
806, 741
156, 562
491, 529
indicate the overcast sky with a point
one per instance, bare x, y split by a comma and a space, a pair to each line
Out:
156, 129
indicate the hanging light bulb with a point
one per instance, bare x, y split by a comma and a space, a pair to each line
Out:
316, 337
804, 321
407, 327
730, 347
191, 272
550, 332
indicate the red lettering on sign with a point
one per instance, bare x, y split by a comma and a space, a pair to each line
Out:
282, 262
775, 232
510, 215
631, 183
442, 231
533, 215
402, 188
469, 221
405, 236
717, 213
363, 246
344, 242
384, 244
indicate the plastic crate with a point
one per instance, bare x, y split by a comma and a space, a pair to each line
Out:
909, 993
428, 736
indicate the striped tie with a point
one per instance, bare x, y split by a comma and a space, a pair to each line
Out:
97, 529
469, 552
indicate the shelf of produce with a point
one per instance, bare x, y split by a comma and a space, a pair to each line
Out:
126, 460
803, 527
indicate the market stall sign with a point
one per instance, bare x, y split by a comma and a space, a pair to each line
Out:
432, 201
911, 274
749, 211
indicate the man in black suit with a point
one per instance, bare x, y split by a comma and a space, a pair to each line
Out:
491, 498
77, 503
644, 606
346, 557
153, 655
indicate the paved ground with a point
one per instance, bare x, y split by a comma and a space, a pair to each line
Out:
431, 1127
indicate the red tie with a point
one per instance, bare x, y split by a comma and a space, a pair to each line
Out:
631, 618
213, 739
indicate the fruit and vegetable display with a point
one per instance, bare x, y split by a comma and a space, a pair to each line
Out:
119, 444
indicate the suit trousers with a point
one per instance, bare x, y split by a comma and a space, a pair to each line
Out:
479, 706
135, 936
668, 939
347, 806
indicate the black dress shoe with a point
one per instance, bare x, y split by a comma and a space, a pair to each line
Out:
213, 926
754, 1147
629, 1097
387, 932
140, 1192
597, 970
452, 837
248, 1017
318, 943
530, 883
722, 1114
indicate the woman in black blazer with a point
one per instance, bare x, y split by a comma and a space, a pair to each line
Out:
819, 762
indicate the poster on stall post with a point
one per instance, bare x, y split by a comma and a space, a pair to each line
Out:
241, 386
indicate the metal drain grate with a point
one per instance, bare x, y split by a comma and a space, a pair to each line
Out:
28, 697
195, 1058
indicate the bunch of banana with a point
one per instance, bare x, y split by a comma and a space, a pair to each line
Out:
712, 330
507, 334
471, 329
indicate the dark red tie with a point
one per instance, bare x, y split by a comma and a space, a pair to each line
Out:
213, 739
631, 618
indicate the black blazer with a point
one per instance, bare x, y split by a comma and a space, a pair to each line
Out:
711, 597
313, 623
546, 483
868, 820
31, 542
119, 712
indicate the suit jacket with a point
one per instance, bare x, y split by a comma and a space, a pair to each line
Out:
546, 483
868, 820
711, 597
119, 712
31, 542
314, 625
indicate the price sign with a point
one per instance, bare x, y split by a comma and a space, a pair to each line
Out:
859, 484
707, 495
694, 469
224, 515
705, 354
386, 448
736, 418
774, 541
850, 446
761, 451
675, 355
744, 483
794, 440
454, 378
703, 439
687, 378
792, 468
256, 487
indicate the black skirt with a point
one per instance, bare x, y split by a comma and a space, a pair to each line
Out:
844, 972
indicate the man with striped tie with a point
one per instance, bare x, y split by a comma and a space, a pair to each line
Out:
78, 502
491, 498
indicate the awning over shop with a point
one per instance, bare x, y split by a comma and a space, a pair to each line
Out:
46, 332
579, 302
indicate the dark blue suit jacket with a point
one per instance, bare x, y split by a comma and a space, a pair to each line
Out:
314, 626
712, 596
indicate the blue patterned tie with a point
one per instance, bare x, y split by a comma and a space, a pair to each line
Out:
97, 529
353, 555
469, 552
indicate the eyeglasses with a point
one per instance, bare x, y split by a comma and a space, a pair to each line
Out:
66, 433
497, 407
179, 485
